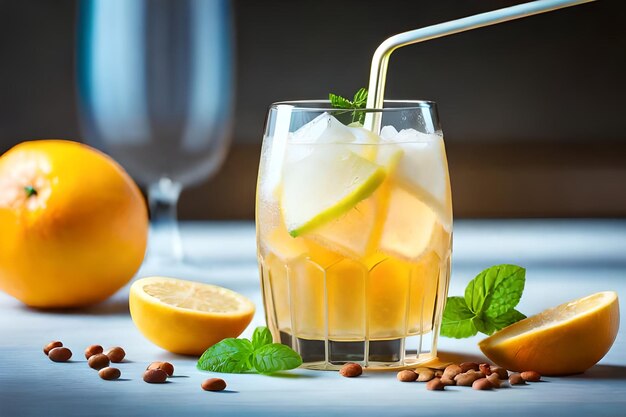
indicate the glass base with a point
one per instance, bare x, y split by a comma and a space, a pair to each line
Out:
373, 354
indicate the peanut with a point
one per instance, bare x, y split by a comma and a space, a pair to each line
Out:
482, 384
531, 376
447, 381
435, 384
468, 366
93, 350
54, 344
425, 375
467, 379
516, 379
165, 366
60, 354
503, 374
451, 371
406, 376
495, 380
351, 370
116, 354
155, 376
214, 384
98, 361
485, 368
109, 373
438, 373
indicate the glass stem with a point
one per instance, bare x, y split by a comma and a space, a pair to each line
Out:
165, 242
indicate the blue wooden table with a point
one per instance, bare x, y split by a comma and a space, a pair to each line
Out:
564, 260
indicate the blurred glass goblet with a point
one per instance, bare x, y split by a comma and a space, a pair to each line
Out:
155, 92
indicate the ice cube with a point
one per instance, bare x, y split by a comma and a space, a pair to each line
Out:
388, 132
408, 226
423, 168
323, 129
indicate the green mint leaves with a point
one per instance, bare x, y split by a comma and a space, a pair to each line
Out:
488, 305
358, 102
237, 356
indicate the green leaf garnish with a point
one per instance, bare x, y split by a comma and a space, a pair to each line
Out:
275, 357
231, 355
260, 355
261, 337
457, 319
358, 102
488, 305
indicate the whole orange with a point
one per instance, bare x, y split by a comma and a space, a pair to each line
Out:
73, 224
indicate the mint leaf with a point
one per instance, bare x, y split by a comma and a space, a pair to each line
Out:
275, 357
508, 292
340, 102
506, 319
481, 291
360, 98
457, 319
230, 356
261, 337
359, 102
484, 325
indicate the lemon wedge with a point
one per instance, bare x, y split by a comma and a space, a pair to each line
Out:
566, 339
324, 185
187, 317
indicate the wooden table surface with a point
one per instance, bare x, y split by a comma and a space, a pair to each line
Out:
564, 260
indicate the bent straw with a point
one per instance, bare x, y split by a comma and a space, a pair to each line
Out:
380, 61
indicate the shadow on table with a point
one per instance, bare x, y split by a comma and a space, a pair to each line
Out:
603, 372
111, 307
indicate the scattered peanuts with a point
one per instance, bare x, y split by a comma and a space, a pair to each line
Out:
485, 368
482, 384
351, 370
495, 380
109, 373
531, 376
516, 379
98, 361
165, 366
435, 384
93, 350
214, 384
54, 344
155, 376
60, 354
466, 379
468, 366
447, 381
116, 354
451, 371
406, 376
425, 375
502, 373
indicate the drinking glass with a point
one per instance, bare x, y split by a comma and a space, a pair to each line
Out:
155, 92
354, 233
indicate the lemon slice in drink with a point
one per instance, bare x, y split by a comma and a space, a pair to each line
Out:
566, 339
325, 185
187, 317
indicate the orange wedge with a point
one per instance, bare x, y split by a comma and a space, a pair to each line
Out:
187, 317
567, 339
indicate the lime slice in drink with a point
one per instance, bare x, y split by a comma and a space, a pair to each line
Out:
325, 185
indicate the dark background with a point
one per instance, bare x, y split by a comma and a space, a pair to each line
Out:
533, 110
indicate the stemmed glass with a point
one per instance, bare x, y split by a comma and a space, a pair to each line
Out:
155, 92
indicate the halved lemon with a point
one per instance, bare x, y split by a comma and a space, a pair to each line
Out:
187, 317
566, 339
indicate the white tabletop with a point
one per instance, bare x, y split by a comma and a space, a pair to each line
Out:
564, 260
